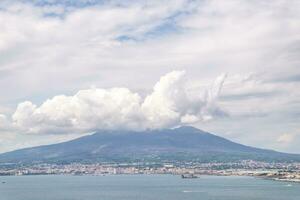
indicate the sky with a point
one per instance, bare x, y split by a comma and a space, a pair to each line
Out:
70, 68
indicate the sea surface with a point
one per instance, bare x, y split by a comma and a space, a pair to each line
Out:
144, 187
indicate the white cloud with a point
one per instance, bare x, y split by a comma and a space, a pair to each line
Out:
286, 138
169, 105
61, 48
87, 110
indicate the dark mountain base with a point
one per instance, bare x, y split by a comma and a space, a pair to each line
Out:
181, 145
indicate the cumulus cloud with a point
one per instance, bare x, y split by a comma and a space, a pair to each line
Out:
170, 104
83, 43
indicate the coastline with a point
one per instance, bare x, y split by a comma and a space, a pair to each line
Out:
279, 172
195, 176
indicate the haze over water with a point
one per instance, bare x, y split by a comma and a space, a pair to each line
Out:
146, 187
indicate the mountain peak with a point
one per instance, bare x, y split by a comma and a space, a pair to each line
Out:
189, 129
182, 144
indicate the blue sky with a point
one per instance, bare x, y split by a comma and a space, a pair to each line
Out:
234, 63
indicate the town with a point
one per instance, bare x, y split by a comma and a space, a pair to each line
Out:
274, 171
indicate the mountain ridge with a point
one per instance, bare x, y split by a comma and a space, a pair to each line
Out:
183, 144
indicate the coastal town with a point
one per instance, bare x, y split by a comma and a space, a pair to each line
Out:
274, 171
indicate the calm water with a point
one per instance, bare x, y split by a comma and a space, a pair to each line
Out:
144, 187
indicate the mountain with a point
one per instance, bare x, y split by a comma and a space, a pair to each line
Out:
184, 144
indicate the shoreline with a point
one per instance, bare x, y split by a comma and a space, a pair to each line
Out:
198, 176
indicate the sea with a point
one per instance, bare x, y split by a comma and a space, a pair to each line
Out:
144, 187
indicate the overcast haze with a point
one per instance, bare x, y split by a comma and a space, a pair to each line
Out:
69, 68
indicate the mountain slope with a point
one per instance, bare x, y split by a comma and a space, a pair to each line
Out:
181, 144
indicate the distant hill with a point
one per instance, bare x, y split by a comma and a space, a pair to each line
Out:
184, 144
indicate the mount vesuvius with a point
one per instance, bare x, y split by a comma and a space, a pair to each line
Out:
184, 144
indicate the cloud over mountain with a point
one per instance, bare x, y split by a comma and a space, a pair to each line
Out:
51, 47
170, 104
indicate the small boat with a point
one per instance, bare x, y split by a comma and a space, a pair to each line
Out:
189, 176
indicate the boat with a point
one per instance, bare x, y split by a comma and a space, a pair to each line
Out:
189, 176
